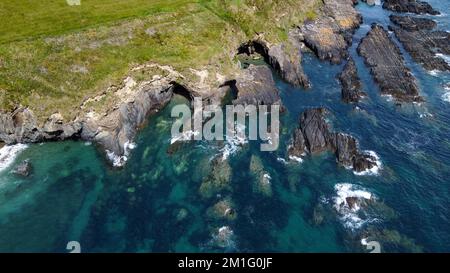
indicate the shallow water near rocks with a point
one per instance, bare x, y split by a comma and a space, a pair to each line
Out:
153, 203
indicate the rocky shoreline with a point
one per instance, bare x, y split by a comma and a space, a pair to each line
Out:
114, 129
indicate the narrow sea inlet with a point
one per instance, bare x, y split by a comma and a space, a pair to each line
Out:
162, 200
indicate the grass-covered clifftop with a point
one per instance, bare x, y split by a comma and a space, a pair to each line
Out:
54, 56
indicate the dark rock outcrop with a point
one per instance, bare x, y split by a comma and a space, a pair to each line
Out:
414, 6
410, 23
351, 84
255, 86
421, 43
387, 65
23, 169
330, 35
314, 136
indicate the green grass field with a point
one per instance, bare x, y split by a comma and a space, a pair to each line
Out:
53, 56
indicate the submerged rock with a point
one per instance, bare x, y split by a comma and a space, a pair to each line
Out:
329, 36
182, 214
422, 44
262, 178
218, 180
414, 6
224, 237
351, 84
23, 169
387, 65
314, 136
391, 241
223, 210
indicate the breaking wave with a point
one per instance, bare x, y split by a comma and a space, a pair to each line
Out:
347, 203
9, 153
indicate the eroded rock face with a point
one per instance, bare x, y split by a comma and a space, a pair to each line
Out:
288, 65
285, 58
351, 84
314, 136
329, 36
255, 86
387, 65
414, 6
118, 128
421, 43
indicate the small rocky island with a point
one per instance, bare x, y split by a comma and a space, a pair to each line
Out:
315, 136
351, 84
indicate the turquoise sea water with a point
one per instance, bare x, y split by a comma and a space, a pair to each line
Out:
153, 204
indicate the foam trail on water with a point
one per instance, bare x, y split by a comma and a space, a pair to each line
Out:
9, 153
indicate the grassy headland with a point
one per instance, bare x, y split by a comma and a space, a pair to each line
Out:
54, 56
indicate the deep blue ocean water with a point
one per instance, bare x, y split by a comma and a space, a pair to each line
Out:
74, 195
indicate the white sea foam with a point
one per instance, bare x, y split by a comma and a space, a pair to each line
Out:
232, 145
446, 97
282, 160
121, 160
446, 58
296, 159
375, 170
434, 73
9, 153
388, 97
351, 217
267, 178
224, 238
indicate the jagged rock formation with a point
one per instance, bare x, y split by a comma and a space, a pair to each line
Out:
329, 36
255, 86
421, 43
351, 84
314, 136
387, 65
410, 23
414, 6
